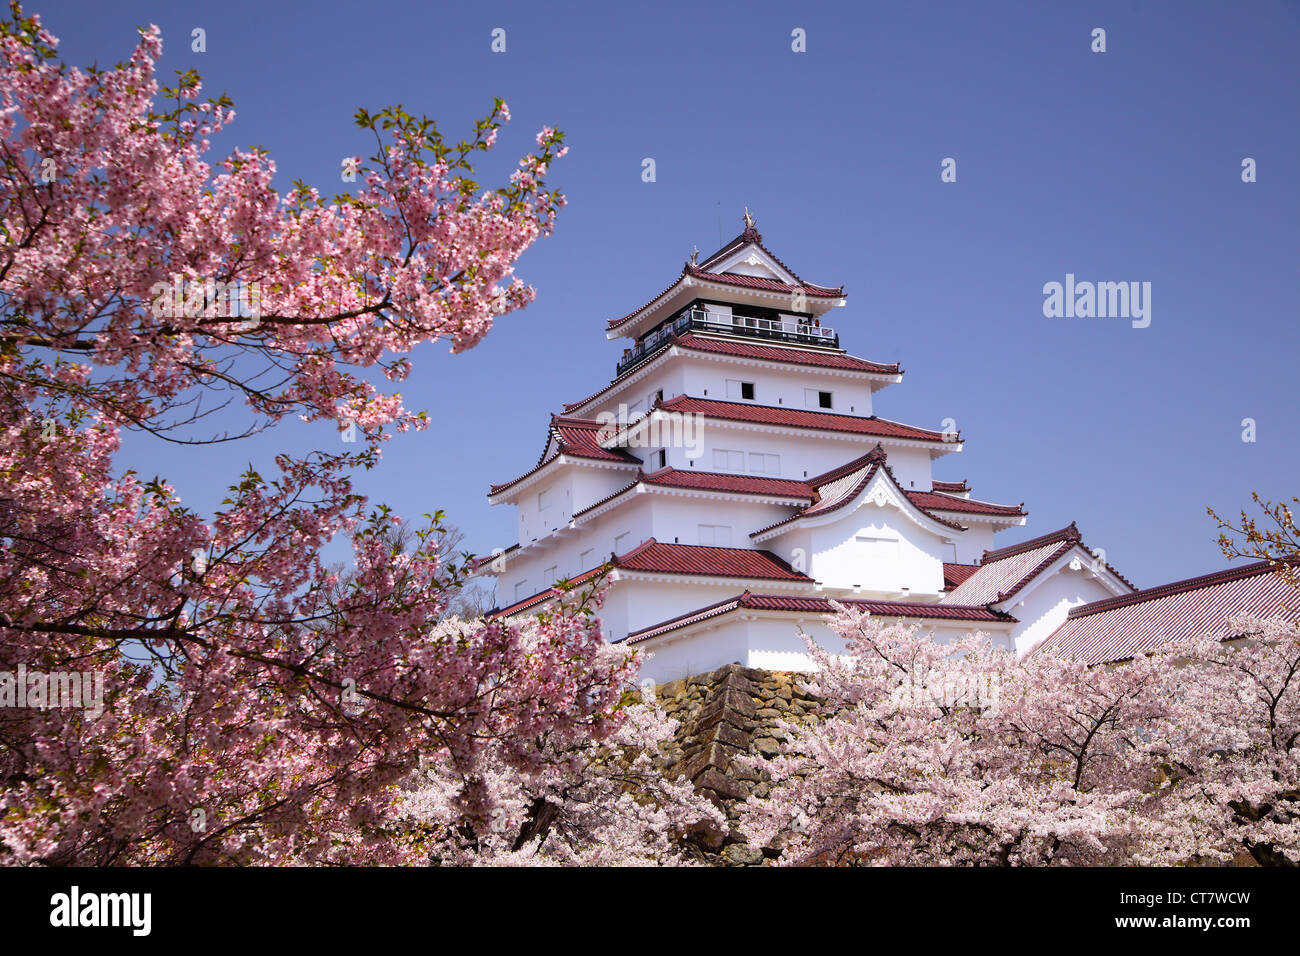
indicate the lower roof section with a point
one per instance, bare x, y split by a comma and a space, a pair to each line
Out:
798, 418
795, 604
698, 560
1005, 572
1121, 628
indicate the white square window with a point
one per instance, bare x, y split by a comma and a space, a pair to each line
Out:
764, 464
549, 576
521, 590
739, 391
815, 398
718, 535
584, 560
727, 460
619, 541
543, 499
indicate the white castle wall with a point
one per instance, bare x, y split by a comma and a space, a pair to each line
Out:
970, 547
1045, 607
568, 489
880, 551
802, 456
770, 642
699, 377
666, 518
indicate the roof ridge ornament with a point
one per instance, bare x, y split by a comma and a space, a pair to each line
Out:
750, 233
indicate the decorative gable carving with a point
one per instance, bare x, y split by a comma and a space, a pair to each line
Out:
750, 260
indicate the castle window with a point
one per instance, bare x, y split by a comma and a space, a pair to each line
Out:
725, 460
814, 398
661, 456
737, 389
543, 499
718, 535
764, 464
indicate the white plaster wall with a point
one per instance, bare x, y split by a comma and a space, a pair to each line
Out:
651, 602
794, 547
840, 560
668, 376
707, 378
1043, 609
572, 488
565, 552
766, 642
774, 644
669, 660
808, 455
972, 545
678, 519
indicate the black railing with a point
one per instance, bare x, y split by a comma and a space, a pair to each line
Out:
781, 330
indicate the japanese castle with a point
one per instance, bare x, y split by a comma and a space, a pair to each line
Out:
734, 478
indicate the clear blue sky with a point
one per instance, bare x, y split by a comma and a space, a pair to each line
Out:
1116, 166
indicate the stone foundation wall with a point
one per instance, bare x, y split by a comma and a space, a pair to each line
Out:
731, 711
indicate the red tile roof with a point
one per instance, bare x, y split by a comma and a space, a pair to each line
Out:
657, 557
707, 560
800, 418
951, 487
817, 500
762, 282
785, 353
575, 438
944, 502
544, 595
1123, 627
750, 235
1069, 534
818, 605
813, 358
955, 574
489, 558
738, 484
581, 437
842, 485
711, 481
1004, 572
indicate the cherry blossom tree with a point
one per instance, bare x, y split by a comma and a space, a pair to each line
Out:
1233, 782
958, 754
587, 799
1271, 536
254, 710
